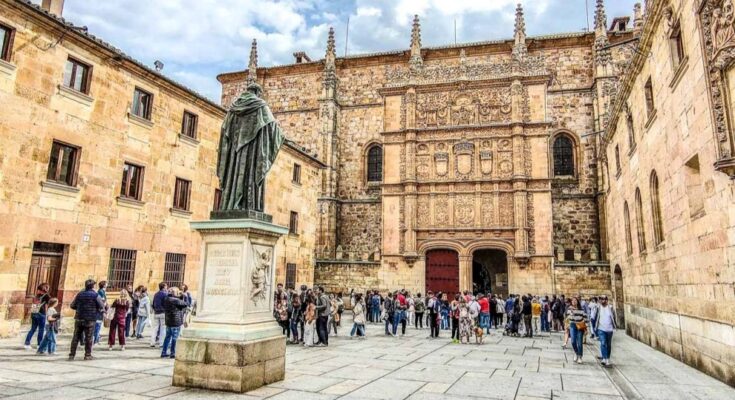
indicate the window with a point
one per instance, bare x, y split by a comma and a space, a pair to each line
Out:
693, 179
617, 160
621, 26
628, 235
63, 164
122, 269
677, 46
650, 106
290, 276
77, 75
142, 104
173, 269
7, 34
375, 164
217, 200
563, 156
658, 230
293, 225
182, 194
639, 221
132, 181
189, 125
568, 254
631, 130
296, 174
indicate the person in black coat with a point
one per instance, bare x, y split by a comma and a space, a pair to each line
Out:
87, 304
174, 306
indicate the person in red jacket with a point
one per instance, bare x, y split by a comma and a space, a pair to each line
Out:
484, 312
117, 324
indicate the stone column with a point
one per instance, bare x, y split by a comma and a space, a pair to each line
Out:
465, 272
520, 208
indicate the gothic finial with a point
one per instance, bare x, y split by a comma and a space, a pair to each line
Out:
637, 18
600, 18
416, 60
253, 64
330, 60
519, 47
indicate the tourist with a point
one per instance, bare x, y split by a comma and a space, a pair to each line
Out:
465, 320
144, 312
605, 325
399, 315
556, 310
536, 313
388, 313
102, 292
594, 307
493, 310
282, 312
375, 302
119, 310
189, 300
445, 310
87, 305
159, 315
527, 311
38, 315
303, 296
411, 310
434, 307
48, 343
134, 306
545, 318
578, 320
333, 321
310, 322
500, 312
419, 309
454, 314
323, 310
358, 317
340, 308
129, 315
295, 318
174, 306
474, 307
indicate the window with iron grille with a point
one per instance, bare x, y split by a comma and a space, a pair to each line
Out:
290, 276
142, 104
173, 269
132, 181
122, 269
7, 34
63, 164
217, 200
563, 156
296, 174
189, 125
375, 164
182, 194
77, 75
293, 226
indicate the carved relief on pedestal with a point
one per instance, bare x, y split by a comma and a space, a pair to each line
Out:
423, 212
464, 210
441, 211
262, 262
464, 153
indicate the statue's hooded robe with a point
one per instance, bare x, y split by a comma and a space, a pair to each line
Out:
249, 145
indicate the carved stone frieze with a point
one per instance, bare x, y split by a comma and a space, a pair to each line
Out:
506, 210
423, 212
464, 211
441, 211
464, 107
486, 209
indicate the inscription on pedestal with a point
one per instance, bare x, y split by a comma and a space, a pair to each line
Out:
223, 280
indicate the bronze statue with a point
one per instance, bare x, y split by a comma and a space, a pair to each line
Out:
249, 144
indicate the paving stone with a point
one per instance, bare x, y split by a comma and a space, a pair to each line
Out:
499, 387
385, 388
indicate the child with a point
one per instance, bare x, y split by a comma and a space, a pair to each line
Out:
48, 344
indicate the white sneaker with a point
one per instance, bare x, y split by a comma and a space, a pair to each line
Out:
122, 348
110, 348
579, 360
27, 347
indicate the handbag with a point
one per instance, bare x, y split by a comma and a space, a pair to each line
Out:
581, 326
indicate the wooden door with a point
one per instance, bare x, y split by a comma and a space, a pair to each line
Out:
442, 272
46, 263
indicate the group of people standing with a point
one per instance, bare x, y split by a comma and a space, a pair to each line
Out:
309, 316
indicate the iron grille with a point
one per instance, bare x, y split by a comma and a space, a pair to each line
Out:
122, 269
173, 269
290, 276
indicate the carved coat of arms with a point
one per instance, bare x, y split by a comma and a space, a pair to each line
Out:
441, 163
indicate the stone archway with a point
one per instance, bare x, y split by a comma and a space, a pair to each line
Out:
619, 296
490, 271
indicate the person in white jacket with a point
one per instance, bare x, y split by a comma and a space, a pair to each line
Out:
144, 310
358, 311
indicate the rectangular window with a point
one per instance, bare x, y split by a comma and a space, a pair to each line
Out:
173, 269
63, 164
290, 276
189, 125
217, 200
77, 75
650, 106
677, 46
296, 174
182, 194
7, 34
122, 269
568, 254
132, 181
293, 225
142, 103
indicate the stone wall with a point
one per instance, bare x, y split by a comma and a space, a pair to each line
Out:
584, 279
343, 276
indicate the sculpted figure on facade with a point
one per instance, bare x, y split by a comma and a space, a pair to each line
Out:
723, 27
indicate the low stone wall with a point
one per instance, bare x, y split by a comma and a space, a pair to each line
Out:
343, 276
586, 279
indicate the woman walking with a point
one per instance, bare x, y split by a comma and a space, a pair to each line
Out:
454, 314
333, 315
578, 321
120, 311
48, 344
38, 315
465, 321
144, 311
358, 311
310, 318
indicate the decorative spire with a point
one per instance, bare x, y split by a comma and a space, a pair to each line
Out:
519, 47
602, 53
637, 18
600, 18
253, 64
416, 61
330, 60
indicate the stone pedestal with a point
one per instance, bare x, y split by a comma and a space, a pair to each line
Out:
233, 343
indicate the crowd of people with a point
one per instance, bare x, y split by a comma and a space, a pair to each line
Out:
309, 316
127, 316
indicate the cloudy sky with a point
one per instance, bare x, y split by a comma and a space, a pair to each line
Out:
198, 39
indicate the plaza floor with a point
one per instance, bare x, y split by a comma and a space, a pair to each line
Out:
380, 367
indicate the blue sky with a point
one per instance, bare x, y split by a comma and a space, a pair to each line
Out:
198, 39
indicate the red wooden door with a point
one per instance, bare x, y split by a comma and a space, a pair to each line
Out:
442, 272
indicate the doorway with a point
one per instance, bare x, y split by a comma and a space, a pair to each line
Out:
442, 272
619, 296
490, 272
46, 263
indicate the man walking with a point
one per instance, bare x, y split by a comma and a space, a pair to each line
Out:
87, 305
594, 307
323, 310
605, 325
159, 315
527, 312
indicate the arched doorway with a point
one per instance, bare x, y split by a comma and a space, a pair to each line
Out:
442, 271
619, 296
490, 272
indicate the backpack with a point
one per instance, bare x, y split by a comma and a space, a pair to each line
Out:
419, 307
37, 305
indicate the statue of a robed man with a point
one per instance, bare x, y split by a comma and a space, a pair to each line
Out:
248, 147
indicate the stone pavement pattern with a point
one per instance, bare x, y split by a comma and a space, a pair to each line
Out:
412, 367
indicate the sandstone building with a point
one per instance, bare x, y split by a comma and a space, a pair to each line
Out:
470, 166
668, 165
105, 163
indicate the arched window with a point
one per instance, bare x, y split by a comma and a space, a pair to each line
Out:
375, 164
628, 236
658, 228
639, 221
563, 156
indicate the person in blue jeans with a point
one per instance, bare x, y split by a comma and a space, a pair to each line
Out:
577, 318
174, 306
375, 308
605, 325
102, 292
48, 344
38, 315
445, 315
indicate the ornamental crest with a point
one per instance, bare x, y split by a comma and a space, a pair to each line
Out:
441, 163
464, 152
486, 162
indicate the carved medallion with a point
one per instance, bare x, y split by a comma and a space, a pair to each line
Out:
486, 162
